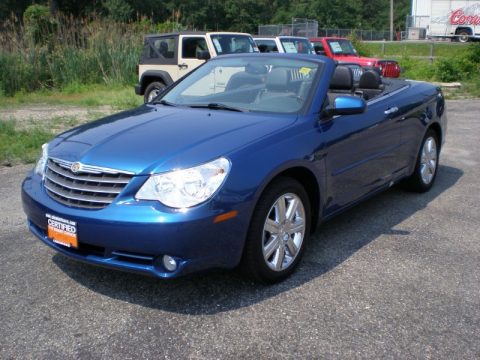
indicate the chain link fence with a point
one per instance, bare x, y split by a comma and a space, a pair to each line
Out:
368, 35
298, 27
309, 28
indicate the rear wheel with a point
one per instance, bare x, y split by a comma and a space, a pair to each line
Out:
278, 232
152, 91
426, 167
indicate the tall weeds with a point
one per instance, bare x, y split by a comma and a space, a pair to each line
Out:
73, 51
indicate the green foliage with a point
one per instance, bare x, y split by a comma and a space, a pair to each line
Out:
450, 62
39, 25
471, 88
238, 15
459, 66
416, 69
119, 97
361, 47
473, 53
20, 145
452, 69
118, 10
78, 53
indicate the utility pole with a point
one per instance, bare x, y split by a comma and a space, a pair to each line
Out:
391, 20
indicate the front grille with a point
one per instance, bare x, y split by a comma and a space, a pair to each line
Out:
389, 68
90, 187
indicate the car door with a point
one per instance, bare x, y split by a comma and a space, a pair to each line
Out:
361, 152
190, 45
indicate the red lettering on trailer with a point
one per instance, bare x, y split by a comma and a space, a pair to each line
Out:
458, 17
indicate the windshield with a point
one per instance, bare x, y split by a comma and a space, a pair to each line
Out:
266, 45
296, 46
269, 84
341, 47
233, 43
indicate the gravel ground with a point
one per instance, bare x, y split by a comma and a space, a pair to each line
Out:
396, 277
56, 117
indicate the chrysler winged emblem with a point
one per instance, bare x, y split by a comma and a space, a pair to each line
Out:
76, 167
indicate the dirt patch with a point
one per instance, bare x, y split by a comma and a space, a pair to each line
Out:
55, 117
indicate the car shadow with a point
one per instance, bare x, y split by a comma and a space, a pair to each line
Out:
220, 291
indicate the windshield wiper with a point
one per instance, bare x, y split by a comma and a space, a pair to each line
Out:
217, 106
164, 102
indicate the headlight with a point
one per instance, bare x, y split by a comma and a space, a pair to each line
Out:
187, 187
42, 162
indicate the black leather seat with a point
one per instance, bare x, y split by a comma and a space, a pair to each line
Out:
278, 80
341, 83
342, 79
242, 80
370, 85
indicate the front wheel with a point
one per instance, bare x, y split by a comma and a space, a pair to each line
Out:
426, 167
152, 91
463, 36
278, 232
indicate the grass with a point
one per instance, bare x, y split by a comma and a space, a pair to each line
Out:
20, 146
412, 49
20, 141
469, 90
434, 61
118, 97
84, 51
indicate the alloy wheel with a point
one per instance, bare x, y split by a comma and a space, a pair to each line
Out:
283, 232
428, 161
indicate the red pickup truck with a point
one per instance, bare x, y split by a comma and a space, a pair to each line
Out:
342, 50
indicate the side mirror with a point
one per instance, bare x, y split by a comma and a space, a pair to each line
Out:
203, 55
346, 105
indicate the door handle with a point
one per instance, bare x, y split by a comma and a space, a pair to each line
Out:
391, 110
183, 66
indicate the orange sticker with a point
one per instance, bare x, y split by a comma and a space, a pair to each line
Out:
62, 231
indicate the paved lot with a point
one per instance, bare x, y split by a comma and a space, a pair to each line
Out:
395, 277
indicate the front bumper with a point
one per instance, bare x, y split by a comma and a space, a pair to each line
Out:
134, 235
138, 90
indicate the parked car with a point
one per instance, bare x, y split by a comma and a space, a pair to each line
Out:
168, 57
342, 50
215, 176
284, 44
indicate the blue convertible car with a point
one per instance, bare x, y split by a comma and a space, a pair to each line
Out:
235, 164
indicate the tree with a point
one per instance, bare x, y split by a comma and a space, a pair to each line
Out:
117, 10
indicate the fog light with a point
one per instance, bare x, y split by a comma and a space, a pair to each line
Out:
169, 263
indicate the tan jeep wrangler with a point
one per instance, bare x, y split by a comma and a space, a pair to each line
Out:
168, 57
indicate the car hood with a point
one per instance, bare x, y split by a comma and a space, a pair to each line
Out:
152, 139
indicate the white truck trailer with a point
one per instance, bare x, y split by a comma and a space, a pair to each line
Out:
458, 20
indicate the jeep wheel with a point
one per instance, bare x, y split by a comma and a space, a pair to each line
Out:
152, 91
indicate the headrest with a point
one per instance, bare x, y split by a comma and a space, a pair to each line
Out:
370, 80
278, 79
342, 78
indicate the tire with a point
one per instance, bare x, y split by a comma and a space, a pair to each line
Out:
463, 36
152, 91
275, 244
426, 167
